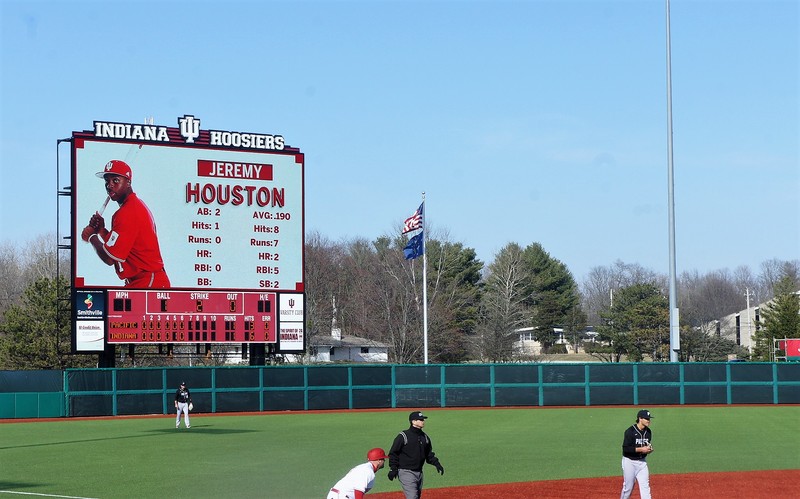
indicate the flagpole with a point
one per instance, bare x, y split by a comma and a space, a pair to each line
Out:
424, 281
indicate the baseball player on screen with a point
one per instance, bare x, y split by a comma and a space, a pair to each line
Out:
131, 245
636, 445
359, 480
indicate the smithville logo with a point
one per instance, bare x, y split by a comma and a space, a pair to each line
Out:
90, 313
189, 130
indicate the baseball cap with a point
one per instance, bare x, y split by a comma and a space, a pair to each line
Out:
116, 167
183, 383
416, 415
375, 454
644, 414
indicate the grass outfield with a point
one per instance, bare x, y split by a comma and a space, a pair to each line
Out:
301, 455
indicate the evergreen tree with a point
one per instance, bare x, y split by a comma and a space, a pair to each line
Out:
638, 323
779, 319
31, 334
699, 346
552, 294
453, 300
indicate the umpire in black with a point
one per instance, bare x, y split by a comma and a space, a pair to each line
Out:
410, 450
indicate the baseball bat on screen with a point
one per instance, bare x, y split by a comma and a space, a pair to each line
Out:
103, 208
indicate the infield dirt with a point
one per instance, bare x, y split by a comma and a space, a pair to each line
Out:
738, 485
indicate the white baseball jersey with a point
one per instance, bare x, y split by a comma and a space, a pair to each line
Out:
362, 477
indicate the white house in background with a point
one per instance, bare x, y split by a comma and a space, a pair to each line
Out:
527, 344
344, 348
339, 347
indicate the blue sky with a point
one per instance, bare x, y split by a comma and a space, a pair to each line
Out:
537, 121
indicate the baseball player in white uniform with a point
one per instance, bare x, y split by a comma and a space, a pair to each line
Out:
359, 480
636, 445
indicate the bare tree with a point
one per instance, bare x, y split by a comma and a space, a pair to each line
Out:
502, 305
12, 282
41, 258
368, 290
360, 293
382, 297
323, 273
704, 298
746, 282
602, 282
772, 271
396, 292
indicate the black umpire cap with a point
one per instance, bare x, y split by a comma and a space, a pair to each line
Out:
417, 415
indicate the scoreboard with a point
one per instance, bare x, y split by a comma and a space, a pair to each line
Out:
228, 212
190, 317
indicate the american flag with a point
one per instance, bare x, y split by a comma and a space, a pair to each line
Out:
413, 222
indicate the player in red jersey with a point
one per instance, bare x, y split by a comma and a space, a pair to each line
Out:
131, 245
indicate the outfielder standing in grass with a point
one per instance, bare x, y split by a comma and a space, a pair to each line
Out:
410, 450
183, 399
636, 445
359, 480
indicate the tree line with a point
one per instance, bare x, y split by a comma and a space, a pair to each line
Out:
368, 289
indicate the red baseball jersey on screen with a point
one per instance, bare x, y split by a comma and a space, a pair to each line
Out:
793, 349
132, 241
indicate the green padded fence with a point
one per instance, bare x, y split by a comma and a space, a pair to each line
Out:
31, 394
112, 392
31, 405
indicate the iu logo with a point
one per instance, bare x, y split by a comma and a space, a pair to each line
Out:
190, 127
291, 302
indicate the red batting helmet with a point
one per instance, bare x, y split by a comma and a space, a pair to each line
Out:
116, 167
375, 454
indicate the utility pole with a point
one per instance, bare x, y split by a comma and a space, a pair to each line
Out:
749, 316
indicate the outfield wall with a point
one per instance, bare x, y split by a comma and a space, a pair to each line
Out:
113, 392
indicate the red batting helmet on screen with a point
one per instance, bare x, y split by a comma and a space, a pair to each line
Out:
376, 454
116, 167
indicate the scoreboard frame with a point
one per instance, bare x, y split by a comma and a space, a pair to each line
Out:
229, 209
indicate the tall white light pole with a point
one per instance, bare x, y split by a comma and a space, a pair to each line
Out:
424, 279
674, 322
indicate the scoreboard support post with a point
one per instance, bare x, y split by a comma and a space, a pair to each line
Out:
107, 357
258, 355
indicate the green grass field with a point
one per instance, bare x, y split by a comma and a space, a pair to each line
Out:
301, 455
